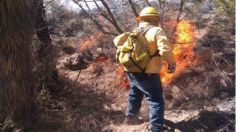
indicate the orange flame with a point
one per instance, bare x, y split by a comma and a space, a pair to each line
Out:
182, 50
90, 41
101, 58
184, 32
122, 78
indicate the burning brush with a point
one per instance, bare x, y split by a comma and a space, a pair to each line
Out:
122, 78
182, 50
91, 43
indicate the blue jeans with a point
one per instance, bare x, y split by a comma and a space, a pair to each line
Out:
148, 85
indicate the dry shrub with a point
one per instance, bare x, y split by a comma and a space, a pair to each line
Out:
203, 86
213, 76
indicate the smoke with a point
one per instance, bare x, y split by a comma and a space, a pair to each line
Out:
71, 6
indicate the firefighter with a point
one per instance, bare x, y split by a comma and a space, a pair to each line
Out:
148, 83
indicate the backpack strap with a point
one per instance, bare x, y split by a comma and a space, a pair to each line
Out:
143, 33
145, 29
137, 65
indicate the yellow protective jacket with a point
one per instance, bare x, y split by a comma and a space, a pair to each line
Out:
157, 39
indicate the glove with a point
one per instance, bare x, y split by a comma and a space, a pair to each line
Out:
171, 68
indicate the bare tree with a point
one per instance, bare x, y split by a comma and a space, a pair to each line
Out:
102, 12
133, 8
162, 4
148, 3
95, 21
114, 22
178, 19
180, 11
107, 14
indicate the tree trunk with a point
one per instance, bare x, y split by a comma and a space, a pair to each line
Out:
46, 73
17, 80
16, 76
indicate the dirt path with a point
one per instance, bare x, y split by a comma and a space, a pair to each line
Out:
96, 103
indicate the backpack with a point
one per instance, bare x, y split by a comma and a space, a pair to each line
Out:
132, 50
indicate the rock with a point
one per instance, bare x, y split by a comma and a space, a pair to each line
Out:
227, 106
69, 50
97, 69
78, 61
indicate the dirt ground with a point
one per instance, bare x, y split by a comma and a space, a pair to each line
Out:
92, 101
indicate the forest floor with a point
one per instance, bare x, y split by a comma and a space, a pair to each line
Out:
92, 101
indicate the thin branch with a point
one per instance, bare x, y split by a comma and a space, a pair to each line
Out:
98, 25
148, 3
178, 19
112, 16
162, 11
48, 3
102, 13
180, 10
87, 5
97, 5
133, 8
137, 2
